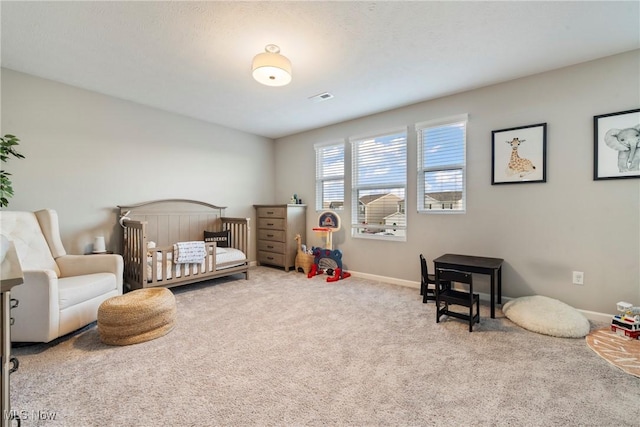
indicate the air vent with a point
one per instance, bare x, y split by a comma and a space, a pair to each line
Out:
321, 97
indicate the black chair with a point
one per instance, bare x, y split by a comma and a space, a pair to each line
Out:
449, 296
426, 279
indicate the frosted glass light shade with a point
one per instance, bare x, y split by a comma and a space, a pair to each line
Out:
271, 69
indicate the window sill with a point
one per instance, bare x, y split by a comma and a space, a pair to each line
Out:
442, 211
388, 238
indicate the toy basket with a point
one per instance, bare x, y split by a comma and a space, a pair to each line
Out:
304, 261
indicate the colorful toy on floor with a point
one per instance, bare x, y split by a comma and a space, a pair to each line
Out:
328, 259
626, 324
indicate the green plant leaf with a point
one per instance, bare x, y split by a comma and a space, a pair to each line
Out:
7, 149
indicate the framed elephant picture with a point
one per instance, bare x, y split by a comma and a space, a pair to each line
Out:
616, 145
519, 155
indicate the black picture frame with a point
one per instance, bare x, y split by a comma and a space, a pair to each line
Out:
616, 145
530, 166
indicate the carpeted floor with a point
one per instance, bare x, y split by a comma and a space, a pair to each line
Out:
281, 349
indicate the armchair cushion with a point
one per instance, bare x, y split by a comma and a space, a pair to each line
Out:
78, 265
23, 228
78, 289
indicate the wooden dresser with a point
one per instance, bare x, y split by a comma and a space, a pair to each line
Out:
276, 236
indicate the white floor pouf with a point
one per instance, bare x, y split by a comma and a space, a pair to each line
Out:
547, 316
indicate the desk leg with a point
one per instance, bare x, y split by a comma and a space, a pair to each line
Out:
493, 294
500, 285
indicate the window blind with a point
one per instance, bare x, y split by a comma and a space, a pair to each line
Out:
329, 176
379, 177
442, 165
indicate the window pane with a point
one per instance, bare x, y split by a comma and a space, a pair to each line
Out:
441, 167
382, 160
330, 176
443, 146
332, 161
379, 185
443, 189
381, 212
333, 194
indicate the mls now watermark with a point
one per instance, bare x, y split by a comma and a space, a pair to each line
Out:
33, 415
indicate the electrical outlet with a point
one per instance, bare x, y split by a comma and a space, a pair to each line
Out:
578, 278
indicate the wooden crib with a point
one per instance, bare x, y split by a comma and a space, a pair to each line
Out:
166, 222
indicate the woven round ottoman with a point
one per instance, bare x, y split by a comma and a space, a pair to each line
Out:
137, 316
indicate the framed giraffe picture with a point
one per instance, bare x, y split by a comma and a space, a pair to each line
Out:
616, 145
519, 155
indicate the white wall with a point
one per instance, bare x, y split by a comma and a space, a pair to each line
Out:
543, 231
87, 153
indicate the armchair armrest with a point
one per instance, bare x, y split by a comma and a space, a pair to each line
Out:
78, 265
38, 311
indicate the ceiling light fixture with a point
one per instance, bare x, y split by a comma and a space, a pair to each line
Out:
270, 68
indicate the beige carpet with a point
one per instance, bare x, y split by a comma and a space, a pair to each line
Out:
284, 350
619, 351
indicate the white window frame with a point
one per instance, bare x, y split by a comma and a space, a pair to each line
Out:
356, 187
322, 177
422, 170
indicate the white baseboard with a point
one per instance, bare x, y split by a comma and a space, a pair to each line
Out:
596, 316
591, 315
385, 279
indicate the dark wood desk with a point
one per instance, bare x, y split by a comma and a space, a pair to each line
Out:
476, 264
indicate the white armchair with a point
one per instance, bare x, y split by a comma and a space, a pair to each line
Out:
61, 293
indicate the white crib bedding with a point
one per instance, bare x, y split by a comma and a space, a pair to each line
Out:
224, 258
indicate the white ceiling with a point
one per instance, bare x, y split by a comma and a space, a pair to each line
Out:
194, 58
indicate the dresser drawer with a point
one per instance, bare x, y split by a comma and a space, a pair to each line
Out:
270, 258
271, 223
273, 235
271, 212
276, 229
269, 246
